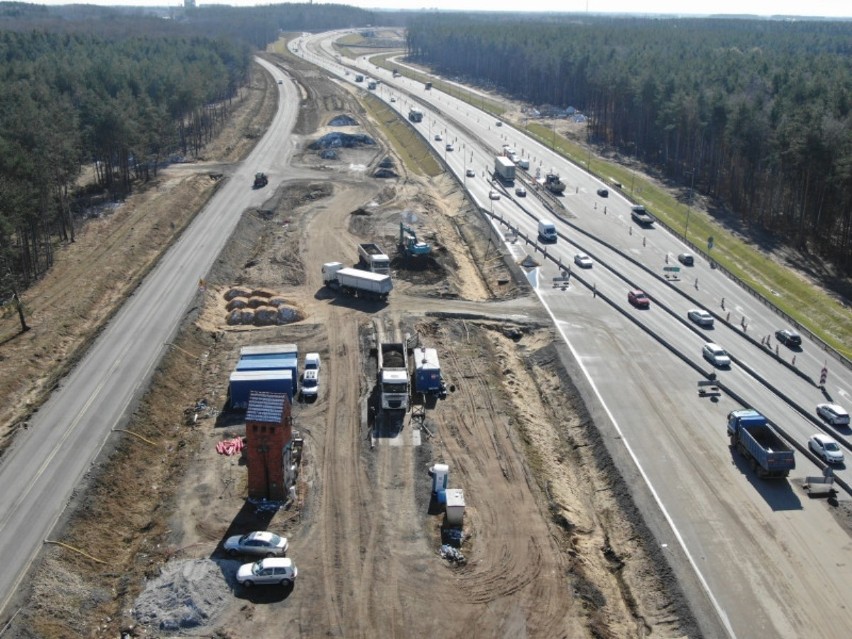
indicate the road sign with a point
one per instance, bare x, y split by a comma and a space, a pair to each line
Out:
672, 269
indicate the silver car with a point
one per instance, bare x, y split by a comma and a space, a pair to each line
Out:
826, 448
700, 317
261, 542
833, 414
716, 355
270, 571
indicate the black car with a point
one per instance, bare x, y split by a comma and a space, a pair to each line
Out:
789, 337
686, 259
603, 192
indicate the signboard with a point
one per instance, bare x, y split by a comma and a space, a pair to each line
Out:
672, 269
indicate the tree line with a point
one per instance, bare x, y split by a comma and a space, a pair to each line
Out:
754, 113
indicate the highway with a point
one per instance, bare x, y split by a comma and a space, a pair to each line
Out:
46, 462
769, 560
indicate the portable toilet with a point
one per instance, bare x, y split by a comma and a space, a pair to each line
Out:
440, 476
455, 506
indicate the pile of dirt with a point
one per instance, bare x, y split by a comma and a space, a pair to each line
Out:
187, 594
258, 308
343, 120
337, 140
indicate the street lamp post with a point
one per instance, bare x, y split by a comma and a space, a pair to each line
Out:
689, 204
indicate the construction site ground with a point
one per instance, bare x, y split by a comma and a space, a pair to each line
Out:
553, 545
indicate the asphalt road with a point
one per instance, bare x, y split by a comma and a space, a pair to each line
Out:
47, 461
769, 560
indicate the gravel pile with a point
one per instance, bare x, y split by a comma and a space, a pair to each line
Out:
187, 594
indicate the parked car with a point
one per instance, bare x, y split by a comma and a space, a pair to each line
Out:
582, 260
260, 542
825, 447
470, 173
438, 137
493, 195
789, 337
716, 355
833, 414
700, 317
603, 192
638, 298
310, 383
686, 259
521, 191
274, 570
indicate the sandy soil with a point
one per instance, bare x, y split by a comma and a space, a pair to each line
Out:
553, 547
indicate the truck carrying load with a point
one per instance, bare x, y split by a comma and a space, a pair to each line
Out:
504, 169
242, 383
356, 283
640, 215
394, 376
427, 371
374, 258
751, 434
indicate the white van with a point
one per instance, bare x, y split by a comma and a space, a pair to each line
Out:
312, 361
546, 231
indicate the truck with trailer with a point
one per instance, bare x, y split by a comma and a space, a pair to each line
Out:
768, 454
355, 282
640, 215
373, 257
394, 378
504, 169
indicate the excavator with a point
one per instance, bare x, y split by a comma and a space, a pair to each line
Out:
409, 244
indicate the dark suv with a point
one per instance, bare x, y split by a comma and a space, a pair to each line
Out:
789, 337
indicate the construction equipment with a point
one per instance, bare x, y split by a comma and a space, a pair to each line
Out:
260, 180
409, 244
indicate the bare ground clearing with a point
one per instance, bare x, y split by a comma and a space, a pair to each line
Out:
553, 547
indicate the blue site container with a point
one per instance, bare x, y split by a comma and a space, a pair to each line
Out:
242, 383
427, 370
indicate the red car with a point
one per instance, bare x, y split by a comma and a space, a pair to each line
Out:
638, 299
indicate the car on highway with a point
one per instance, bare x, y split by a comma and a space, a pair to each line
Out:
582, 260
270, 571
470, 173
498, 123
716, 355
493, 195
280, 81
603, 192
701, 317
438, 137
686, 259
449, 146
638, 299
834, 414
393, 99
825, 447
260, 542
521, 191
789, 337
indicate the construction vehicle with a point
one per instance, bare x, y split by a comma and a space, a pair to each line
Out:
553, 183
355, 282
394, 376
374, 258
768, 454
260, 180
409, 244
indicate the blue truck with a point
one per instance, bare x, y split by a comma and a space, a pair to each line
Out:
754, 438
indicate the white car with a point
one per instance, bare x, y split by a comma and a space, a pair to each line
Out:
716, 355
825, 447
310, 383
833, 414
470, 173
275, 570
700, 317
260, 542
438, 137
393, 99
582, 260
449, 147
493, 195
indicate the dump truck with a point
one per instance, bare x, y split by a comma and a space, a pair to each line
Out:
374, 258
768, 454
394, 377
640, 215
355, 282
504, 169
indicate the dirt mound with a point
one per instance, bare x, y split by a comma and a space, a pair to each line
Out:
258, 308
187, 594
336, 140
343, 120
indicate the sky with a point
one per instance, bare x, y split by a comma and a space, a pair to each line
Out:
827, 8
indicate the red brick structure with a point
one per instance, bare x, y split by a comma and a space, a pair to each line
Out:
269, 430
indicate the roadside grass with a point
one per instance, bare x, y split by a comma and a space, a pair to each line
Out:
414, 153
